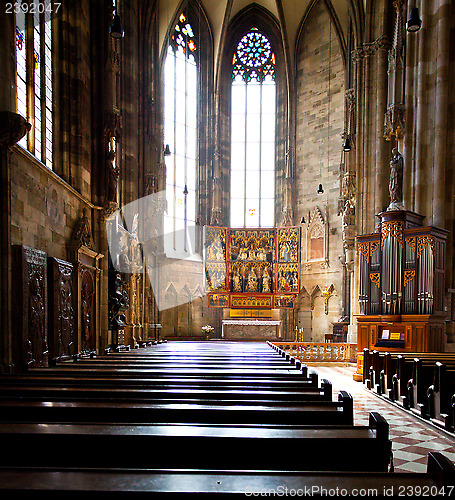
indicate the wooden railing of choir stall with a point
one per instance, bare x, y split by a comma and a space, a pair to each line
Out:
320, 351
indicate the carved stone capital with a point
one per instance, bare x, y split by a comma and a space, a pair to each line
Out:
398, 5
108, 209
12, 128
357, 54
383, 43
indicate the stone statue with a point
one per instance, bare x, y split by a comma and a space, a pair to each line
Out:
396, 181
348, 217
113, 173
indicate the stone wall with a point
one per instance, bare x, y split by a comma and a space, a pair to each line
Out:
320, 87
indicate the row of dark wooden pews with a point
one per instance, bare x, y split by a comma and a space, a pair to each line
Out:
190, 418
423, 383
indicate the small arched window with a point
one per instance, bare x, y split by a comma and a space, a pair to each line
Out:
253, 111
180, 128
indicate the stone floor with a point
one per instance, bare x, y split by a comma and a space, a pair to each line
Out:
412, 438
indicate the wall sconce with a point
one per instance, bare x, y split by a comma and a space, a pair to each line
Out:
347, 144
414, 23
167, 151
320, 190
116, 29
302, 220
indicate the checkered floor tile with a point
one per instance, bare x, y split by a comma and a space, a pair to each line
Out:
412, 438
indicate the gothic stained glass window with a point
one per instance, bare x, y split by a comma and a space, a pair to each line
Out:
34, 81
253, 132
21, 71
180, 128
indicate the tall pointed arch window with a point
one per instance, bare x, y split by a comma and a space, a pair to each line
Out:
180, 128
253, 111
34, 80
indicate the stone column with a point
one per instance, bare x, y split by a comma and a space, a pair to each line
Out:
421, 184
12, 128
382, 46
441, 114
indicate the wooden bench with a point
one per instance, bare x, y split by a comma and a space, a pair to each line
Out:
174, 446
424, 375
78, 378
441, 396
109, 484
388, 373
405, 390
377, 361
220, 395
275, 361
127, 370
308, 413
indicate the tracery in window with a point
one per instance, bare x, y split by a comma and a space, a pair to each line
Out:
180, 130
34, 81
253, 111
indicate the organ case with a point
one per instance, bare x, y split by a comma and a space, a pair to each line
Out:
401, 285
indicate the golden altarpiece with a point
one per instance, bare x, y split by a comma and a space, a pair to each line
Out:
401, 285
251, 272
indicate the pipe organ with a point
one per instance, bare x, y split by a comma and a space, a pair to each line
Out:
401, 285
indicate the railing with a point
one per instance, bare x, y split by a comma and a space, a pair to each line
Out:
320, 351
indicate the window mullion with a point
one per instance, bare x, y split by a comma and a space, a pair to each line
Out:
260, 154
43, 89
174, 162
30, 83
245, 165
185, 152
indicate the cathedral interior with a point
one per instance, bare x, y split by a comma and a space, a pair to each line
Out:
233, 170
205, 163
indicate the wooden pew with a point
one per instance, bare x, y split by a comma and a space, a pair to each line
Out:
424, 375
108, 484
203, 447
440, 396
217, 396
405, 390
308, 413
65, 380
388, 373
127, 370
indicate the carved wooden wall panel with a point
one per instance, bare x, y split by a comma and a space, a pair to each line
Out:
87, 308
30, 308
62, 332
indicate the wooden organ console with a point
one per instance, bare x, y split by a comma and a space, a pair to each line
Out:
401, 286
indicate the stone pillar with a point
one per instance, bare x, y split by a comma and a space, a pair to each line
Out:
441, 114
421, 184
382, 46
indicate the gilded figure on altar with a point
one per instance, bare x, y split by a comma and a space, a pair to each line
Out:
236, 282
266, 282
252, 283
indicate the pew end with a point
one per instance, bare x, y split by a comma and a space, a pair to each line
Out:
441, 469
